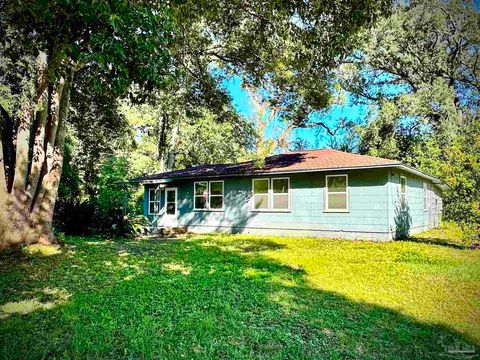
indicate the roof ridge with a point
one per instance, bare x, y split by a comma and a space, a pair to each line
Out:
305, 150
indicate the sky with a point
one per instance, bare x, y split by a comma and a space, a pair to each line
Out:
313, 137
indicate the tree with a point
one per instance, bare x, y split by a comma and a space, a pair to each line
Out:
458, 165
125, 49
210, 140
272, 133
117, 44
205, 138
285, 53
419, 69
274, 123
98, 129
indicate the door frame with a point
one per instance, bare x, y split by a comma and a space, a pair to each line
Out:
171, 220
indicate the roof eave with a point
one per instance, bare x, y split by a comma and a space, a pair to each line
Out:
401, 166
261, 173
433, 179
152, 181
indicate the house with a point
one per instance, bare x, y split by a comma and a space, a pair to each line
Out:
324, 193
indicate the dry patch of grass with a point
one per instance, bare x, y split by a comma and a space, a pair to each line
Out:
178, 267
24, 307
45, 250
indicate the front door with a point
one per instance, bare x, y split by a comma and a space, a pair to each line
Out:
170, 217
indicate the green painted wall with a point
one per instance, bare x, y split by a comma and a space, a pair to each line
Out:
368, 215
412, 217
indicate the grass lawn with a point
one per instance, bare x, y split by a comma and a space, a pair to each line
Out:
239, 297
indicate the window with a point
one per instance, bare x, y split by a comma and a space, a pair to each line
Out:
260, 194
425, 194
280, 192
337, 193
216, 195
153, 201
171, 201
208, 195
200, 195
271, 194
403, 189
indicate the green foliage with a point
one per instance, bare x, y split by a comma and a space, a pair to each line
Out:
238, 297
119, 43
458, 165
70, 184
418, 70
99, 129
208, 140
202, 138
136, 225
420, 42
289, 48
113, 180
110, 49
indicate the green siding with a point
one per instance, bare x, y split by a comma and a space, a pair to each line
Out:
414, 211
368, 214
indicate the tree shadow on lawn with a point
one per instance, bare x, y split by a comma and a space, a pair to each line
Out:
203, 298
436, 241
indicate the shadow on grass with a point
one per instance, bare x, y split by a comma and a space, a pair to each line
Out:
201, 298
436, 241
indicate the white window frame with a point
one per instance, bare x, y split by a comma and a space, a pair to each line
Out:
150, 201
400, 189
425, 196
273, 194
346, 192
195, 195
270, 195
210, 194
252, 207
175, 201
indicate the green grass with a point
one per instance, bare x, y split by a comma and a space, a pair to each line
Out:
238, 297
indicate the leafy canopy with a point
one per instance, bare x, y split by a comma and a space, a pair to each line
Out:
121, 42
419, 69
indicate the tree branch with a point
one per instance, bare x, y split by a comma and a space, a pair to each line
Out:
324, 126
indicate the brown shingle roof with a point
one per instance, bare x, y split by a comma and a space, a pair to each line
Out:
296, 161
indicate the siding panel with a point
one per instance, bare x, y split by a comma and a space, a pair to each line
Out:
367, 216
413, 211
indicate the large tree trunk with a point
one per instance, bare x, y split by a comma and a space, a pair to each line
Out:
171, 148
162, 141
26, 209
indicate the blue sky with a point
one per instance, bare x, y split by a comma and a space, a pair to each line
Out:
315, 138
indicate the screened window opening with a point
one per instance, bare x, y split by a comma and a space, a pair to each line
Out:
170, 202
153, 201
260, 194
280, 194
271, 194
425, 196
337, 193
201, 195
403, 189
216, 195
209, 195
